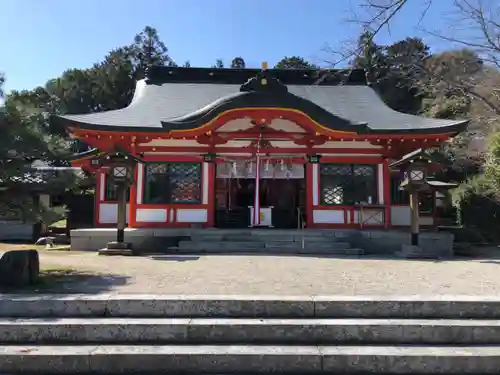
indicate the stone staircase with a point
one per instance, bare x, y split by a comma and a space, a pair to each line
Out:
238, 334
267, 242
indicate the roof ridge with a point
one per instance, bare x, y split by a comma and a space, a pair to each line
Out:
159, 74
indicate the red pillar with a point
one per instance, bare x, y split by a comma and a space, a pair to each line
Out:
97, 196
387, 192
133, 201
309, 195
211, 193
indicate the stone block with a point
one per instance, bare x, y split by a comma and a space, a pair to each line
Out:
81, 243
343, 331
117, 248
45, 359
417, 307
210, 306
34, 266
206, 359
19, 268
344, 233
410, 359
375, 234
256, 331
53, 306
100, 242
93, 330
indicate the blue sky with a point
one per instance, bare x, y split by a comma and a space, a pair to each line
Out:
40, 39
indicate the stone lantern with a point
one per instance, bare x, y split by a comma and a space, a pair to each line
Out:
120, 169
414, 167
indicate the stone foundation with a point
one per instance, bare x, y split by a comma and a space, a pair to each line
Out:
374, 242
438, 244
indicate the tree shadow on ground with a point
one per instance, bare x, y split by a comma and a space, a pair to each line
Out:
69, 281
363, 257
175, 258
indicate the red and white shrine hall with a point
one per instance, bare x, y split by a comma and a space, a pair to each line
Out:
235, 148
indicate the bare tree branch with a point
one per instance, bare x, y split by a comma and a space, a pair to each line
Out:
382, 17
482, 21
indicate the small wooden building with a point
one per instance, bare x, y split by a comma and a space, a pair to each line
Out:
268, 148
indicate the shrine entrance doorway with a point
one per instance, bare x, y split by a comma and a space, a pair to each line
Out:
281, 198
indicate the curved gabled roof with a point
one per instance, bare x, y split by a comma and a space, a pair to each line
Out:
167, 102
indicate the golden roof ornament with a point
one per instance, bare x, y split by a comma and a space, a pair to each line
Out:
263, 81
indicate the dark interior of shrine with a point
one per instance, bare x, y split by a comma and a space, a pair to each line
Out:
233, 196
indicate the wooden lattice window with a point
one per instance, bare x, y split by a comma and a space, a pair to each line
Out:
398, 196
348, 184
173, 183
110, 193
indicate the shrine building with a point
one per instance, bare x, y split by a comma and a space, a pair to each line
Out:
239, 148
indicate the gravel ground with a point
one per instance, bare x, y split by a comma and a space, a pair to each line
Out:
271, 275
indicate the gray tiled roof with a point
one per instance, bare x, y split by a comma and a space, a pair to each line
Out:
154, 103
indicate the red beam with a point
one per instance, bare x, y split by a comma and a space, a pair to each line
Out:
266, 135
253, 150
352, 159
299, 119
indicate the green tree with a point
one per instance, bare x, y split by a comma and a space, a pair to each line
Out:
23, 142
238, 63
294, 62
477, 199
219, 64
27, 134
412, 80
2, 81
149, 49
392, 69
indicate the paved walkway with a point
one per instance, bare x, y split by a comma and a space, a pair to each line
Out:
272, 275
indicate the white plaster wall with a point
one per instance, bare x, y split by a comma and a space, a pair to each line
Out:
286, 125
235, 125
108, 213
172, 143
401, 216
328, 216
234, 143
192, 215
151, 215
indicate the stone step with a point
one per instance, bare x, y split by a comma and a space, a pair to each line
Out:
235, 359
220, 245
249, 331
272, 233
307, 244
306, 251
238, 306
276, 238
239, 246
